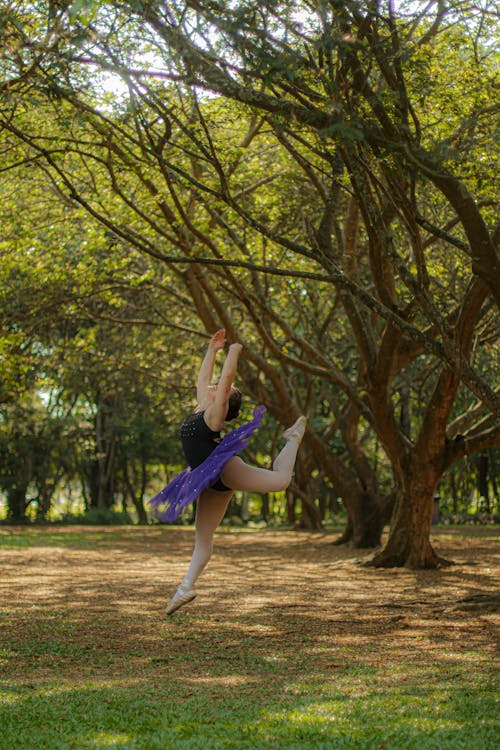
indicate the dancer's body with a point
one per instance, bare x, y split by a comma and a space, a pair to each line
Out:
200, 436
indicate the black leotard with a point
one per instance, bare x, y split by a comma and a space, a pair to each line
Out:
198, 442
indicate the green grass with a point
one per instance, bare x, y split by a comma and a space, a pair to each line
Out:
158, 712
61, 536
92, 680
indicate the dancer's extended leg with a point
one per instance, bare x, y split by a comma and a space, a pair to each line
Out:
240, 476
210, 510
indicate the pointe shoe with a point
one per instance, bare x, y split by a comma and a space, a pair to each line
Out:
180, 598
296, 431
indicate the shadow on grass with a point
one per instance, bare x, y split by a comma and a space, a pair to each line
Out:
245, 683
173, 714
283, 648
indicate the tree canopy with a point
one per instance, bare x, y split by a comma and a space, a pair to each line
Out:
318, 178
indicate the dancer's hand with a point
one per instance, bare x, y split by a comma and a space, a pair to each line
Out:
218, 340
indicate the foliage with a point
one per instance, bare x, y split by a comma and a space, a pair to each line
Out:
71, 301
320, 184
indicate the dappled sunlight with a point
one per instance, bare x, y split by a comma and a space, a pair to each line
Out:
329, 713
228, 681
65, 687
110, 739
268, 602
289, 631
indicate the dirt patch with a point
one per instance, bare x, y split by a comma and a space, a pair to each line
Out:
79, 602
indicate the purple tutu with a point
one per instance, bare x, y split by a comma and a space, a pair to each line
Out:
186, 486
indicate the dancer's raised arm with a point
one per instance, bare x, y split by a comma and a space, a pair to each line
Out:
217, 411
207, 366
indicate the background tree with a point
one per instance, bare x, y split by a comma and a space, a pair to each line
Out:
74, 317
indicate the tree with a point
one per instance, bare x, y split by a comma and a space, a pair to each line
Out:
210, 305
74, 316
33, 455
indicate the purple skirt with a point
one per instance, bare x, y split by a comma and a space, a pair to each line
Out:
186, 486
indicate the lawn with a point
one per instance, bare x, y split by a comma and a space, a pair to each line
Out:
292, 643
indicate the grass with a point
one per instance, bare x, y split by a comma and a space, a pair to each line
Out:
155, 712
88, 661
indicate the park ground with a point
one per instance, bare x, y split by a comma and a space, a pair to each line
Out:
292, 643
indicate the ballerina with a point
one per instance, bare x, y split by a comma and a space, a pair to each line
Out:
215, 470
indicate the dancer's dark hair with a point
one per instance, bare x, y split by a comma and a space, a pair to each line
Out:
234, 405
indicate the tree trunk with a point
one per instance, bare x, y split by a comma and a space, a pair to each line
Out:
291, 515
482, 480
347, 534
367, 515
305, 488
138, 502
408, 544
265, 507
367, 525
310, 518
102, 481
142, 516
44, 501
493, 477
16, 504
454, 493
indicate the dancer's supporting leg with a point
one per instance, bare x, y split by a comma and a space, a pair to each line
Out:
210, 509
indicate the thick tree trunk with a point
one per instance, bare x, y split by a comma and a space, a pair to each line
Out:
409, 544
367, 516
368, 522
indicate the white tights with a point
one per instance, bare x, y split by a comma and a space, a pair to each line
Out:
212, 505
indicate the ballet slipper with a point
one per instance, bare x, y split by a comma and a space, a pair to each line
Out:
181, 597
296, 431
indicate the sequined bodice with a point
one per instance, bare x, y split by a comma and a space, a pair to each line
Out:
198, 440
